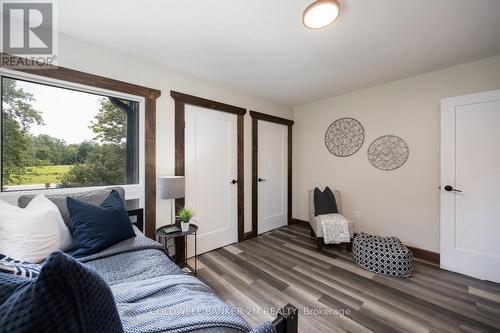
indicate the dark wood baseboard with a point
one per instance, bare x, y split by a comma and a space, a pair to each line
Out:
430, 256
249, 235
426, 255
301, 222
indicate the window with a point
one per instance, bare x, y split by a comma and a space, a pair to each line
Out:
54, 136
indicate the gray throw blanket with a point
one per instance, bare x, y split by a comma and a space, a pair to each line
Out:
153, 295
178, 303
140, 242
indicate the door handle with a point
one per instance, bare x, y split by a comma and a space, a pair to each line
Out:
260, 180
234, 181
450, 188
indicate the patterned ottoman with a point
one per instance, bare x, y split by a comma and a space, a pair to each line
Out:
382, 255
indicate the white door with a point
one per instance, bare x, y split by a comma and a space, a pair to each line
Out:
210, 166
470, 163
272, 173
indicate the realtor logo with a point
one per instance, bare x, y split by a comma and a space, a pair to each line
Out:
28, 30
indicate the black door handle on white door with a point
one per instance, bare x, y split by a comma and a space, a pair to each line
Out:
260, 180
450, 188
234, 181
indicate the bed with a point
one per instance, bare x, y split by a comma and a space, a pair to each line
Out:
152, 294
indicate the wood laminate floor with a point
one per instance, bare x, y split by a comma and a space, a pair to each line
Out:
261, 275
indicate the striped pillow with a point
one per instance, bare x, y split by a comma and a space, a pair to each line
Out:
17, 267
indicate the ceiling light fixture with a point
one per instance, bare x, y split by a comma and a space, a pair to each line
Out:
321, 13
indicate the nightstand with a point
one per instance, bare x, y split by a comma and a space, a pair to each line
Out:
163, 238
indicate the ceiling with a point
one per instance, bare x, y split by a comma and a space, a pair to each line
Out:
260, 46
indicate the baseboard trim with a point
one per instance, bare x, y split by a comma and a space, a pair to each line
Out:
301, 223
418, 253
426, 255
249, 235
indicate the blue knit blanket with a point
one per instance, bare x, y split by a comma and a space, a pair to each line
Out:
153, 295
179, 303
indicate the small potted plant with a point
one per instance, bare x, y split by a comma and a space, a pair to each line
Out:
184, 216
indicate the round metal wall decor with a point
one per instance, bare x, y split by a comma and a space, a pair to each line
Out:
344, 137
388, 152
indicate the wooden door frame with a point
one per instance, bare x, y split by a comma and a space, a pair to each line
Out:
150, 95
256, 116
181, 100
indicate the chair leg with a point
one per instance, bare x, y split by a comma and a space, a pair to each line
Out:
348, 246
319, 243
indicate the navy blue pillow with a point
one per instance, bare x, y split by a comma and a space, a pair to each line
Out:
96, 228
66, 297
324, 202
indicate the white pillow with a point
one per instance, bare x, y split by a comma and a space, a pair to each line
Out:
40, 203
29, 234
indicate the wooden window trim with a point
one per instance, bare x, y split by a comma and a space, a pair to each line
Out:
150, 95
256, 116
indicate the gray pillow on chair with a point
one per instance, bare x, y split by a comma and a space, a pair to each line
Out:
94, 197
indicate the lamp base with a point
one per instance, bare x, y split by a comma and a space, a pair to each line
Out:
172, 211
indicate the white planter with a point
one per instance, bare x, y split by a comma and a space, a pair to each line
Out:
185, 227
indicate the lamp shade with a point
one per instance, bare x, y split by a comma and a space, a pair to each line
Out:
170, 187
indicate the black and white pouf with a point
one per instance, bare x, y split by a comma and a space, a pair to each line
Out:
382, 255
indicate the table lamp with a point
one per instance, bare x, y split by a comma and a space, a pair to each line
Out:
170, 187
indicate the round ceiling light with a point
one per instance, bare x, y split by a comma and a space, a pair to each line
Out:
321, 13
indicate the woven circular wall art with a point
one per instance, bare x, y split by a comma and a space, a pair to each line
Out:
344, 137
388, 152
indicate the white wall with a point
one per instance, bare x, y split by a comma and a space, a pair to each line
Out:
97, 60
403, 202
